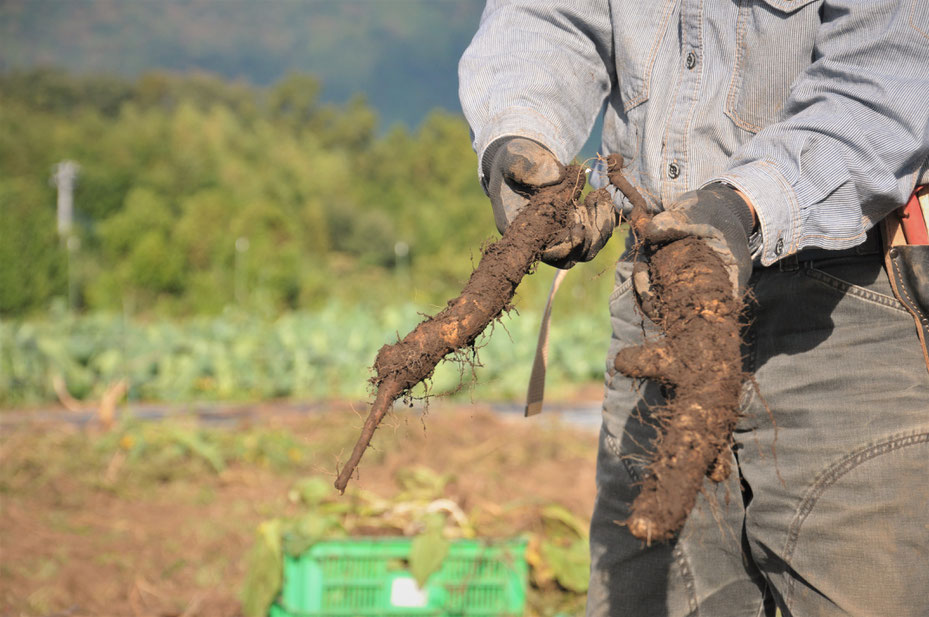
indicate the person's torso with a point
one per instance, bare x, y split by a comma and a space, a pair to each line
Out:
695, 79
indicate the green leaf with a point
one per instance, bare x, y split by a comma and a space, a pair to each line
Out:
560, 522
198, 446
264, 574
570, 564
312, 491
427, 552
309, 529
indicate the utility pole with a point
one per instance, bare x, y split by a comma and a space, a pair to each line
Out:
64, 176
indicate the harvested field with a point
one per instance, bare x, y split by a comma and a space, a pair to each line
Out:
130, 522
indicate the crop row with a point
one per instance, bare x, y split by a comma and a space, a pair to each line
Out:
304, 355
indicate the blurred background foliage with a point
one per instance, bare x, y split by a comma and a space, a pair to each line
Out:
268, 192
175, 169
291, 225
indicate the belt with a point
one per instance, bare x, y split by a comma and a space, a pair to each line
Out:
871, 246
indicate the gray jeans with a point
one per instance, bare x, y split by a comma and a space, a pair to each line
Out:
827, 509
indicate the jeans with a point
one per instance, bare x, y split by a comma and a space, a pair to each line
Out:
826, 511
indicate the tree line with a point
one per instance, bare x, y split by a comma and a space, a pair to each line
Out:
195, 193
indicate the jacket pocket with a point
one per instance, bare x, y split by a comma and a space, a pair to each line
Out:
774, 44
919, 17
638, 37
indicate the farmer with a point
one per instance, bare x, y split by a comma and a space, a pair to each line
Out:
786, 130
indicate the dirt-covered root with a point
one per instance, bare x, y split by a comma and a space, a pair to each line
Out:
486, 295
699, 361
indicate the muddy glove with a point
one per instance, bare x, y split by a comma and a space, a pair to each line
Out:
716, 213
514, 168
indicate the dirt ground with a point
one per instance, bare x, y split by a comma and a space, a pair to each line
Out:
88, 529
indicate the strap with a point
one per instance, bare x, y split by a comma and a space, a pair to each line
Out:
900, 271
895, 245
536, 392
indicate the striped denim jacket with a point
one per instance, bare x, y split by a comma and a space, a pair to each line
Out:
818, 110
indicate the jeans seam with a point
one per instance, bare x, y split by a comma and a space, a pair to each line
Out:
830, 476
688, 579
751, 337
620, 289
861, 293
750, 355
680, 558
613, 443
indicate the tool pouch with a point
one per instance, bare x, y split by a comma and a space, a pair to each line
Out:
908, 268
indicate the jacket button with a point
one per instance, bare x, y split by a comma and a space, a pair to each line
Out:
691, 60
779, 247
673, 171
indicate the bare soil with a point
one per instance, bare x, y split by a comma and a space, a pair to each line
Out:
82, 532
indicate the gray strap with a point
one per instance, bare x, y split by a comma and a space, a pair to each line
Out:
536, 392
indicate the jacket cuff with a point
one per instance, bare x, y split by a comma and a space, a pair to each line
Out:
776, 206
519, 122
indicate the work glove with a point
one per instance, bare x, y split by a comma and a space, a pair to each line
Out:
716, 213
516, 167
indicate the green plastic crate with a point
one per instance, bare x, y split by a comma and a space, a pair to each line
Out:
362, 577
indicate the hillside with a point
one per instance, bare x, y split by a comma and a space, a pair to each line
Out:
401, 54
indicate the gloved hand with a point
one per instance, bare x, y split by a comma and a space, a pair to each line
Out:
716, 213
515, 167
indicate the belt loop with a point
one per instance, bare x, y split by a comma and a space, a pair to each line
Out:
789, 263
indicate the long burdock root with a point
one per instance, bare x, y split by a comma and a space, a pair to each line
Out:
487, 294
698, 358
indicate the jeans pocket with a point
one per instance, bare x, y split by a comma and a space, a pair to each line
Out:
625, 395
625, 318
866, 282
774, 44
878, 492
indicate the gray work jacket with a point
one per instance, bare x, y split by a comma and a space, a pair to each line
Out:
818, 110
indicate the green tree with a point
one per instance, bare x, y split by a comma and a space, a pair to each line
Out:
33, 265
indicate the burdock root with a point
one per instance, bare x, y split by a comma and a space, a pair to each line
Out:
698, 359
487, 294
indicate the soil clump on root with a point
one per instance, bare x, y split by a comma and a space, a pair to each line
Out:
487, 294
698, 360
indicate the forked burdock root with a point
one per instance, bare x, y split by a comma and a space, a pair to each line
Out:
487, 294
698, 360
